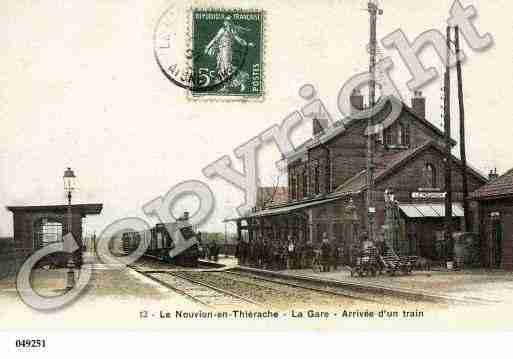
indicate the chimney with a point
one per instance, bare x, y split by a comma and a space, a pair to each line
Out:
418, 104
356, 100
493, 175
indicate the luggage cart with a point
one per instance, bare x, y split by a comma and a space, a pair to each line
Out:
393, 264
367, 263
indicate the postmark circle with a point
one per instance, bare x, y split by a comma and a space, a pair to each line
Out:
177, 58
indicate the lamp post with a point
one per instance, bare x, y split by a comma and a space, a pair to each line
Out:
69, 186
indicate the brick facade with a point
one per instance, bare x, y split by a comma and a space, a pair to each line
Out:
345, 155
494, 222
409, 157
496, 233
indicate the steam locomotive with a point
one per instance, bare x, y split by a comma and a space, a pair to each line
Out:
162, 245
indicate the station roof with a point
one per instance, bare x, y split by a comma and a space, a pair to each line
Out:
501, 187
84, 208
390, 164
290, 207
385, 106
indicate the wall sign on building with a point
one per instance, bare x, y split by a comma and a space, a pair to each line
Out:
427, 195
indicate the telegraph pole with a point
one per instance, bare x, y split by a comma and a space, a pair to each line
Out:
447, 159
374, 11
463, 155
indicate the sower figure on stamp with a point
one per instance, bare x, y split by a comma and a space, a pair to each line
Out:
222, 44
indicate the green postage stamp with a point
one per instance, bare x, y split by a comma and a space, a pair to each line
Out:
228, 50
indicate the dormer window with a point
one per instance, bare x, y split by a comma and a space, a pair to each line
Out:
403, 135
397, 135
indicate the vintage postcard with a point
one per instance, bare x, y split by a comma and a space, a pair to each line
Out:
223, 165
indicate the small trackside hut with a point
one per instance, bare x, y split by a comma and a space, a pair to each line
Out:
38, 226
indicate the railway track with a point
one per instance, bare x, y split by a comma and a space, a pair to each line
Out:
281, 286
302, 285
198, 291
224, 287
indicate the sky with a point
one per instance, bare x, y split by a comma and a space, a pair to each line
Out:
80, 87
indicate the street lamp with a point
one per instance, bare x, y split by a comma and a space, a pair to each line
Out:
69, 183
352, 216
69, 186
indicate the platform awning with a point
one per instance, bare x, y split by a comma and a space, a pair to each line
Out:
419, 210
285, 209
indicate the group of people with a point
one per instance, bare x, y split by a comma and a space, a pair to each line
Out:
289, 254
210, 251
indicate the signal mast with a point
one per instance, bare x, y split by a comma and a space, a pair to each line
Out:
374, 11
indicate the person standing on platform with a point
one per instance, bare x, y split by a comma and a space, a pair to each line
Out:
251, 253
214, 250
244, 252
337, 255
259, 253
325, 253
283, 255
268, 255
290, 252
297, 255
265, 254
308, 254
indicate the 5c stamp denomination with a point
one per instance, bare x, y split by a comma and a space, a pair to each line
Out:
230, 42
215, 54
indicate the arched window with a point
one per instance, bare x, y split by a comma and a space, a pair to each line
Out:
430, 175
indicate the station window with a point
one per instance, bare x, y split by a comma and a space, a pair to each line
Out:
387, 136
404, 134
293, 187
47, 231
430, 175
327, 177
316, 175
305, 184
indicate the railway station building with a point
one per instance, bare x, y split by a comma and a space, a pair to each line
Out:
494, 205
327, 182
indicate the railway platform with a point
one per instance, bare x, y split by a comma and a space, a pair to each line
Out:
113, 298
469, 286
